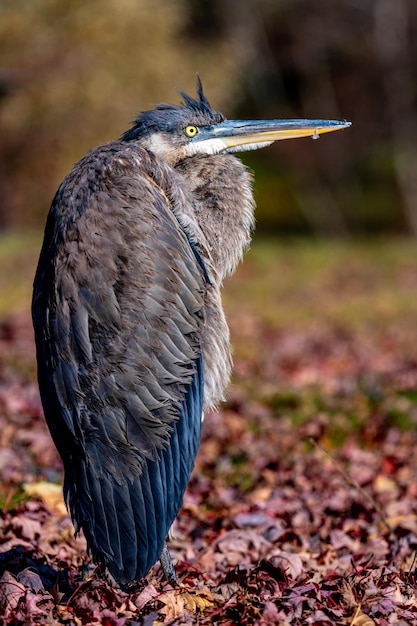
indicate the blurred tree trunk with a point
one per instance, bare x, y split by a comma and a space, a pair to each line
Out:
319, 206
392, 42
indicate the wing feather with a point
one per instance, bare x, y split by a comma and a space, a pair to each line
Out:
118, 310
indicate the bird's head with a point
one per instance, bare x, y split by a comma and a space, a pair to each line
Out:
177, 132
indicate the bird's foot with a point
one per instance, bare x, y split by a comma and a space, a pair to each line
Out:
168, 567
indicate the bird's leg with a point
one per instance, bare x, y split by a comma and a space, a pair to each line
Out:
167, 566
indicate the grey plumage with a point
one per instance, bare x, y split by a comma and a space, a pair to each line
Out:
132, 342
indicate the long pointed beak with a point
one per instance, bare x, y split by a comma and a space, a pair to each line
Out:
252, 134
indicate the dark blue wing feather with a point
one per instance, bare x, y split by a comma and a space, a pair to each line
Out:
118, 310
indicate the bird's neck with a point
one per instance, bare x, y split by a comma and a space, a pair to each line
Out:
222, 209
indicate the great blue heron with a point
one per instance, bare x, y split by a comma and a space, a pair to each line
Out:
132, 342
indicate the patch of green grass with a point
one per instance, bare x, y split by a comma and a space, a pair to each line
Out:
343, 282
281, 281
10, 498
283, 399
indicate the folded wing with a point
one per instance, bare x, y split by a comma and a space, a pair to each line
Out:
118, 309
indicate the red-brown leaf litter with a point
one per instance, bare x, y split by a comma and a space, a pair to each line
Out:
302, 508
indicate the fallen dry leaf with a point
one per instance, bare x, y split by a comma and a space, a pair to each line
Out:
198, 601
10, 592
360, 619
30, 580
146, 595
26, 527
174, 604
50, 494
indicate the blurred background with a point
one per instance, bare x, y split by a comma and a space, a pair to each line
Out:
74, 74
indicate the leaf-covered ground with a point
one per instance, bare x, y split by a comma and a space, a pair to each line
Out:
303, 505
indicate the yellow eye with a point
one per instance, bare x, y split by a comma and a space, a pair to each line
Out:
191, 131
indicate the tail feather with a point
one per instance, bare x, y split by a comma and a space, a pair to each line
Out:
127, 548
126, 517
171, 482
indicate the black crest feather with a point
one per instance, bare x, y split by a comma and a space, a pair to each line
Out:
202, 104
172, 117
